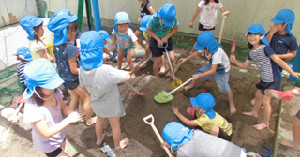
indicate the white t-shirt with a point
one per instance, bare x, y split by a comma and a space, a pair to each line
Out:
209, 14
34, 47
219, 57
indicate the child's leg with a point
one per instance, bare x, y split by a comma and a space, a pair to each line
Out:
73, 105
99, 129
162, 65
257, 104
86, 104
214, 131
62, 154
156, 65
267, 113
130, 64
120, 57
116, 129
231, 103
295, 144
138, 35
172, 58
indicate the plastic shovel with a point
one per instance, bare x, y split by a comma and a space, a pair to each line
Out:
176, 81
233, 47
133, 90
164, 97
15, 118
151, 118
141, 65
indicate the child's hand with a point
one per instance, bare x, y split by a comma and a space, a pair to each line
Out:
164, 144
295, 74
232, 58
140, 20
191, 24
227, 13
175, 110
159, 43
73, 117
182, 60
196, 76
164, 39
273, 29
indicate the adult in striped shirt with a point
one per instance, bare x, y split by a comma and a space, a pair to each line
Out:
267, 62
23, 55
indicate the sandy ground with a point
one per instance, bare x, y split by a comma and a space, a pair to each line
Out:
143, 141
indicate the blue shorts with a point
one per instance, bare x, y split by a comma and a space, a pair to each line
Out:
221, 79
268, 85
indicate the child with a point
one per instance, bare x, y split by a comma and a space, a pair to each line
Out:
107, 53
125, 39
218, 66
147, 37
162, 26
34, 28
209, 120
24, 55
267, 61
44, 107
189, 142
101, 82
209, 15
64, 28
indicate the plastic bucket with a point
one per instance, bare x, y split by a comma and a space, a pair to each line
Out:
138, 53
264, 150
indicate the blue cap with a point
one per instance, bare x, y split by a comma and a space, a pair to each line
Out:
104, 35
28, 23
121, 18
40, 73
258, 28
167, 13
58, 24
91, 50
175, 133
24, 53
207, 40
285, 16
144, 22
205, 101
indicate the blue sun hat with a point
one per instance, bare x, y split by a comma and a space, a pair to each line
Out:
285, 16
121, 18
24, 53
40, 73
144, 22
207, 40
205, 101
58, 24
104, 35
258, 28
175, 133
28, 23
167, 13
91, 50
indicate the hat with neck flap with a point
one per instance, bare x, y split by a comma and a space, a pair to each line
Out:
286, 16
258, 28
205, 101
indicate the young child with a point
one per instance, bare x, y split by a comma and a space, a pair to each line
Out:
44, 107
208, 119
34, 28
218, 66
64, 28
101, 82
125, 38
23, 55
267, 61
107, 53
161, 27
189, 142
209, 15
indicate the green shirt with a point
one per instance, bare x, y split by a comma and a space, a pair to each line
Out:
158, 28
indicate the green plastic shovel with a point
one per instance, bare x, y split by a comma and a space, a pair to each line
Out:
164, 97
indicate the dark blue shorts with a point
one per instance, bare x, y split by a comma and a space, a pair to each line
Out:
55, 152
269, 85
202, 28
157, 51
71, 85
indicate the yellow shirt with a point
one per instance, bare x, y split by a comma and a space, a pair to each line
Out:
206, 124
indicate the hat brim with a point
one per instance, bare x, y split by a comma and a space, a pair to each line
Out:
168, 23
143, 29
73, 18
276, 21
108, 39
123, 21
198, 47
105, 46
38, 22
55, 83
194, 102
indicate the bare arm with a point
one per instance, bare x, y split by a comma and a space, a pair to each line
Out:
151, 10
239, 64
183, 118
284, 65
273, 30
170, 34
114, 41
288, 55
197, 11
73, 65
210, 72
152, 34
223, 10
192, 55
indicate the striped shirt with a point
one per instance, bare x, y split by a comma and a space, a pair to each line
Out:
20, 68
269, 71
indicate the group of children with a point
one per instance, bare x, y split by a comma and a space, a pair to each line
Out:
79, 60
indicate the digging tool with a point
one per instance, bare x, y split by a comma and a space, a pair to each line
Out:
133, 90
150, 116
233, 47
141, 65
222, 26
164, 97
15, 118
176, 81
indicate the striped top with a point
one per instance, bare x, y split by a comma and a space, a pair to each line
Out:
20, 69
269, 71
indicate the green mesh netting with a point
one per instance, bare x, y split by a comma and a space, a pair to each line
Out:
9, 83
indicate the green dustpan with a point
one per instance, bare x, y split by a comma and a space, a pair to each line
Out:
163, 97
